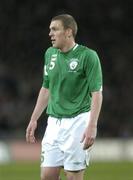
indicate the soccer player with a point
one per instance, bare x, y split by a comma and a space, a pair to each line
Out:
72, 93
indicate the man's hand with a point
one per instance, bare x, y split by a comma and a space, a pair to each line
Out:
89, 136
30, 131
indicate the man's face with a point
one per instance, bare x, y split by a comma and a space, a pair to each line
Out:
57, 34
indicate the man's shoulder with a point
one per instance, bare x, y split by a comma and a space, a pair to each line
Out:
51, 50
87, 50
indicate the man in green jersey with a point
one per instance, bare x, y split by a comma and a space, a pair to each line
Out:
72, 93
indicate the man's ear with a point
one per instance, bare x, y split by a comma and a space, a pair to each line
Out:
69, 32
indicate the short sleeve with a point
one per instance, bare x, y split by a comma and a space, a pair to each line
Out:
45, 72
93, 71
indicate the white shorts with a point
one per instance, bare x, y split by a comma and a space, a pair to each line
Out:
61, 144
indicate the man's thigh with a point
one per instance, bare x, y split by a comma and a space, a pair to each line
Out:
50, 173
75, 175
75, 158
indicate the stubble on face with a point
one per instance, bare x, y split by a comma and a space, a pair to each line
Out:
57, 34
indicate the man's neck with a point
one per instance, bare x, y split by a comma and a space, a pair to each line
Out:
68, 46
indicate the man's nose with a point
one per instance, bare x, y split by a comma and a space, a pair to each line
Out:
50, 33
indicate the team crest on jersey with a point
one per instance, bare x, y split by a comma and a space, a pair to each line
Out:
73, 64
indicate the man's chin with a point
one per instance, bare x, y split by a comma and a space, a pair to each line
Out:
54, 45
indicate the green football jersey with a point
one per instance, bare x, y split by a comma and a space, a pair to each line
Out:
70, 78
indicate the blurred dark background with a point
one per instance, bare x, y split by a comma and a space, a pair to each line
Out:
105, 26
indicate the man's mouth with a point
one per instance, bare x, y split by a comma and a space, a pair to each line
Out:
53, 40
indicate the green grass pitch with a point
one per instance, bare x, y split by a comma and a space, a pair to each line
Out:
96, 171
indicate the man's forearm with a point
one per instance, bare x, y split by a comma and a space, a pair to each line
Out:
95, 107
41, 104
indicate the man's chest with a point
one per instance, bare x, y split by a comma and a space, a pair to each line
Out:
65, 65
